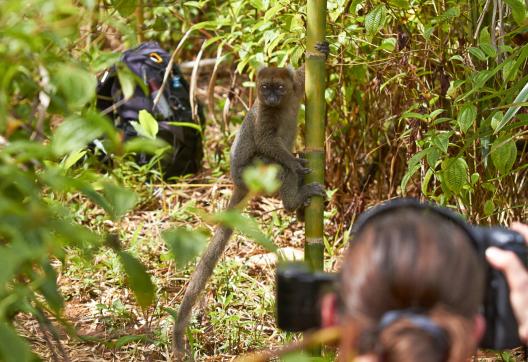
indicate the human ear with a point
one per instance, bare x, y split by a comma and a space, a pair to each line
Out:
328, 310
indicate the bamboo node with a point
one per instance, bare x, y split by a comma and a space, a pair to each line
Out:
314, 240
314, 55
313, 149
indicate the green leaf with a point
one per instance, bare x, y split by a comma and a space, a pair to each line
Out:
147, 126
512, 111
425, 182
428, 31
401, 4
120, 199
262, 178
127, 80
75, 84
455, 173
49, 288
474, 178
138, 279
449, 14
125, 7
418, 157
147, 145
518, 10
503, 154
509, 70
12, 347
484, 36
478, 53
74, 134
495, 119
433, 157
489, 207
123, 341
246, 226
261, 5
466, 117
410, 173
489, 50
72, 158
185, 245
375, 20
388, 44
187, 124
441, 141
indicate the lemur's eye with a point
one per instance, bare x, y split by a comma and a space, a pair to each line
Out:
264, 86
281, 86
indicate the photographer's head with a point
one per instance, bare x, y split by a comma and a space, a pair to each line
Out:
411, 288
414, 286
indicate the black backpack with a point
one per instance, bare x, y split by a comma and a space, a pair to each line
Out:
149, 61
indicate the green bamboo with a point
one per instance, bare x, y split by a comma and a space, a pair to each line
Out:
140, 21
315, 130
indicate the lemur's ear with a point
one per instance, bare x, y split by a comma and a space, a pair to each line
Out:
291, 71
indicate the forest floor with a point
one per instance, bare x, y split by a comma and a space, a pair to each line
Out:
234, 316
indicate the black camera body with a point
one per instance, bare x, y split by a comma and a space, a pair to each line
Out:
299, 291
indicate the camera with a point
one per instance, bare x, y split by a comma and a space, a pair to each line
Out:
299, 290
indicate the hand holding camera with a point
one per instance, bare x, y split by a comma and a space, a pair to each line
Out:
517, 278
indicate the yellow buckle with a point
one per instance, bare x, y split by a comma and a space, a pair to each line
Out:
155, 57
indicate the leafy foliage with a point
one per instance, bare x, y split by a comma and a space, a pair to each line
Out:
424, 98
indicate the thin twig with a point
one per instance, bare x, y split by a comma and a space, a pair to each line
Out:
169, 66
54, 357
323, 336
494, 25
212, 81
481, 19
194, 81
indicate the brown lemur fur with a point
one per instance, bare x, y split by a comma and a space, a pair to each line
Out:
267, 134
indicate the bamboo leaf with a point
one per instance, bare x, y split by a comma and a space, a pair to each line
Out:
512, 111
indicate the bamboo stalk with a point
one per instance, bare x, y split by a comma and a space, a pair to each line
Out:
140, 20
315, 130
